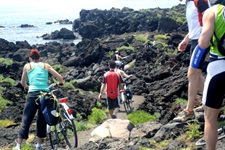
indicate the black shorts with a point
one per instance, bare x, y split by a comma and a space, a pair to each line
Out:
213, 93
194, 43
112, 103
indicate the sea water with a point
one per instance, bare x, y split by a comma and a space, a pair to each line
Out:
11, 20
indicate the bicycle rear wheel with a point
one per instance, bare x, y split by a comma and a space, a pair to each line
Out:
54, 137
68, 130
127, 106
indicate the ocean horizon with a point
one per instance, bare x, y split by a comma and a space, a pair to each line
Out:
38, 13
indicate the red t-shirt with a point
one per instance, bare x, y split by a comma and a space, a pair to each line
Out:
112, 79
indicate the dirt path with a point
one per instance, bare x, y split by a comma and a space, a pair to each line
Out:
84, 136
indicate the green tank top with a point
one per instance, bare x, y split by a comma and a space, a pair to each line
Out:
219, 27
38, 78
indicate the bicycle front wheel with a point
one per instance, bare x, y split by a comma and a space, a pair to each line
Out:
68, 130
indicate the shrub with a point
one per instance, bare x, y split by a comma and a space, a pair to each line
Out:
6, 61
141, 39
3, 103
123, 48
111, 54
69, 85
97, 116
9, 80
161, 36
82, 126
139, 116
58, 68
193, 131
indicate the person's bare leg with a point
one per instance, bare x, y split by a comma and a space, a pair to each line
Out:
40, 140
19, 141
194, 77
210, 130
201, 84
111, 113
116, 110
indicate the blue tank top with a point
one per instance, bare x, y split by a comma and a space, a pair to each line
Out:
38, 78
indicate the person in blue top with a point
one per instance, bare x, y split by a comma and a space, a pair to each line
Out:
36, 73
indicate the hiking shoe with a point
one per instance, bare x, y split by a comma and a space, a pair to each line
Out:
38, 148
199, 109
17, 148
184, 116
114, 116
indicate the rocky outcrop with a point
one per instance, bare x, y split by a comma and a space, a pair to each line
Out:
26, 26
98, 23
62, 34
66, 21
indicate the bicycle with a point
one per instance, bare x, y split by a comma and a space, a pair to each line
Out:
126, 97
221, 135
65, 130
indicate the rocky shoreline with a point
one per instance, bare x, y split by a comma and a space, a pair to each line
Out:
159, 73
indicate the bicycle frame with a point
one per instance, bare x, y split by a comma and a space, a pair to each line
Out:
62, 102
126, 102
64, 127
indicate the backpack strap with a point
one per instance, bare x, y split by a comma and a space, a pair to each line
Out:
201, 5
37, 101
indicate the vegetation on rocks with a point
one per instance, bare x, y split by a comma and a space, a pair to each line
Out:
6, 61
139, 117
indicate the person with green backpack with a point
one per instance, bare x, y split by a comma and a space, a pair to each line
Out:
212, 35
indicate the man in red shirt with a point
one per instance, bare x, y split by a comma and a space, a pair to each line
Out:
112, 80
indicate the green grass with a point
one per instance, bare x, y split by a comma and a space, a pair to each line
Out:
97, 116
145, 148
180, 101
83, 125
139, 117
6, 123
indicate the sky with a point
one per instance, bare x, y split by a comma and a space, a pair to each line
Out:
73, 7
90, 4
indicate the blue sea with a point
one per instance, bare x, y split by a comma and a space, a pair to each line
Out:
14, 13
